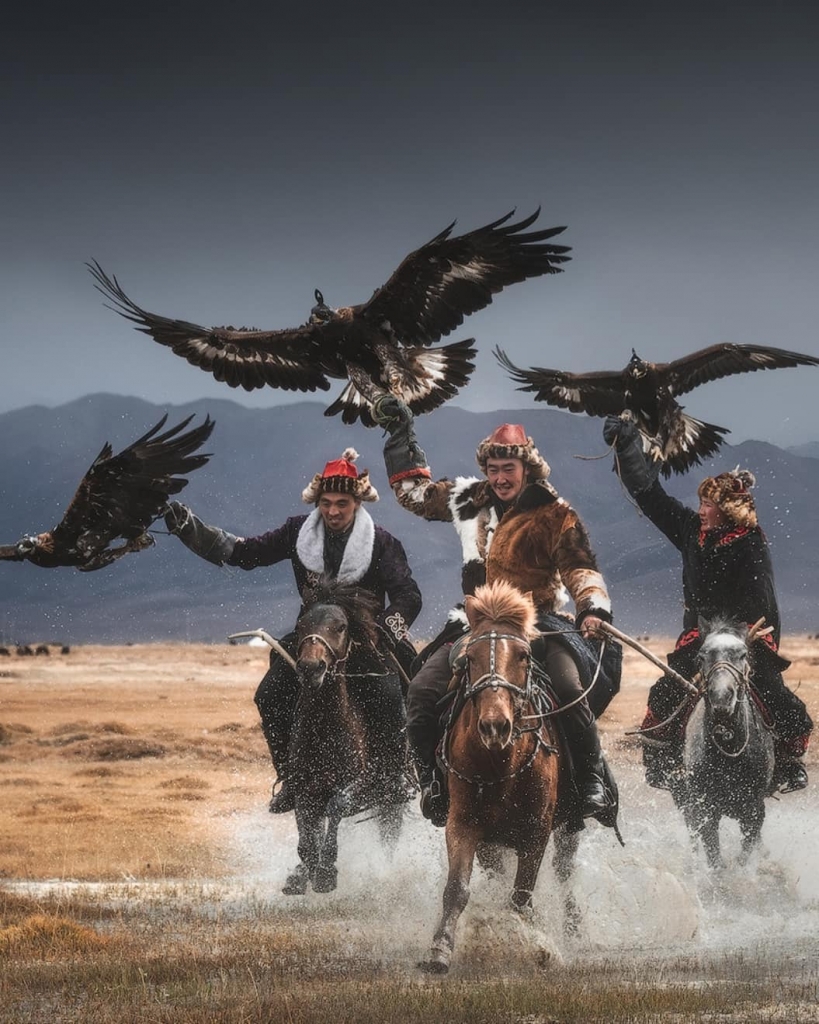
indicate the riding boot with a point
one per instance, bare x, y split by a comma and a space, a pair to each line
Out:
434, 795
584, 742
789, 773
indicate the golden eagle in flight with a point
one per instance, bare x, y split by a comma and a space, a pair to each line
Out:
647, 391
119, 497
381, 345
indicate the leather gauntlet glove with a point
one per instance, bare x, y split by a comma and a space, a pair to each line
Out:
209, 542
637, 471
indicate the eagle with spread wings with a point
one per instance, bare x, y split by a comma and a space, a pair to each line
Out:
119, 497
380, 346
647, 391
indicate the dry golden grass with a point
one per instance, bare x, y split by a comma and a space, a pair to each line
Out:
107, 754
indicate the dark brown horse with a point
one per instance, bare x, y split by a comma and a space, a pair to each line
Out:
501, 757
347, 748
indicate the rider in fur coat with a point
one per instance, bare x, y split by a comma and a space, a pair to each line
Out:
514, 526
727, 574
337, 540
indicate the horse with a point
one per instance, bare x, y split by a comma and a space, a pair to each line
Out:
728, 752
501, 754
347, 751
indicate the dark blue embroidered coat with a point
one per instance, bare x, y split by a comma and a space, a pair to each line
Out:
378, 565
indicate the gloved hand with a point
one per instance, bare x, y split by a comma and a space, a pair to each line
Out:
620, 432
209, 542
403, 457
636, 470
176, 515
391, 413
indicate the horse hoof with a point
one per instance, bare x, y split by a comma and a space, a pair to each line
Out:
296, 884
433, 967
325, 879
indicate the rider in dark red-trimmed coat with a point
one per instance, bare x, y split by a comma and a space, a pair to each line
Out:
727, 573
339, 540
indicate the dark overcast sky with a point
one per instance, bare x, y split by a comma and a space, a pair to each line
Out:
225, 164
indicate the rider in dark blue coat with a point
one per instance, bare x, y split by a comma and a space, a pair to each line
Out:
727, 573
339, 540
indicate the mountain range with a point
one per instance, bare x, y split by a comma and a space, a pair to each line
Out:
262, 458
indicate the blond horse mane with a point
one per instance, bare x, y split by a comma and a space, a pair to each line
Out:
503, 605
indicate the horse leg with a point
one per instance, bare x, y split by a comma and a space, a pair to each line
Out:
566, 844
390, 819
529, 860
709, 835
325, 875
461, 844
751, 827
309, 823
490, 858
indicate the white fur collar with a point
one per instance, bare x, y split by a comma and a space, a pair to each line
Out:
358, 554
477, 530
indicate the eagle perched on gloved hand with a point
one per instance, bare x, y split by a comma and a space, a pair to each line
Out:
647, 390
381, 345
119, 497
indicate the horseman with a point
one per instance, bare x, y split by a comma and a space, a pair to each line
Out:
727, 573
338, 540
513, 526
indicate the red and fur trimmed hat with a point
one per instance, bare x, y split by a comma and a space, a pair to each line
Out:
341, 477
730, 492
510, 441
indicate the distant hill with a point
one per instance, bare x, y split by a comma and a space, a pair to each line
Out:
262, 459
809, 450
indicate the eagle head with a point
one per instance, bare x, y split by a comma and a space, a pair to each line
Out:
637, 367
25, 546
321, 313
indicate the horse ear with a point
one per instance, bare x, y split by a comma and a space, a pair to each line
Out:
469, 608
703, 625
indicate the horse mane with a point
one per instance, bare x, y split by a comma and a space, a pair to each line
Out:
723, 624
504, 605
360, 606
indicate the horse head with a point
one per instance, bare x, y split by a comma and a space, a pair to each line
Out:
724, 666
335, 616
497, 659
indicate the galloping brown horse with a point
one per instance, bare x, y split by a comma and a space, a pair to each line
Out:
501, 757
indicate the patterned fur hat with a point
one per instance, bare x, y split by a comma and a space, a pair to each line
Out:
340, 477
509, 441
730, 492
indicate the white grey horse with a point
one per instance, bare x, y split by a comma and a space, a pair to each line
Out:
729, 750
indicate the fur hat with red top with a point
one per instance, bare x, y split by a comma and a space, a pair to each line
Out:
730, 492
510, 441
341, 477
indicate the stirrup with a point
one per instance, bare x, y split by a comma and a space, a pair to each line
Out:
282, 800
434, 803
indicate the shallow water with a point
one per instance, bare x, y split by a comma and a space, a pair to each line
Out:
651, 900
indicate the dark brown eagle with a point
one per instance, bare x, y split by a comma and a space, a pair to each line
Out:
380, 345
119, 497
647, 391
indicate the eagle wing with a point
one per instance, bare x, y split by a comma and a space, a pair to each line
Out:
121, 495
598, 394
290, 359
717, 361
445, 280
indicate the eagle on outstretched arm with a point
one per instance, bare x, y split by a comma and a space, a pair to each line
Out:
382, 345
646, 391
119, 497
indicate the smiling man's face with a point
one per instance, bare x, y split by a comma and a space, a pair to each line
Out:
506, 477
338, 511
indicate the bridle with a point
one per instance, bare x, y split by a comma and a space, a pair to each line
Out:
529, 693
742, 677
335, 661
